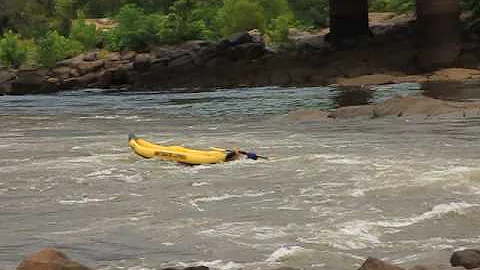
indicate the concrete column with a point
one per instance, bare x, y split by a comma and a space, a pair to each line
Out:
439, 33
348, 20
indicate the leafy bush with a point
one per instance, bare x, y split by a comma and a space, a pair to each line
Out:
32, 52
136, 30
279, 27
84, 33
273, 9
241, 15
189, 20
12, 52
55, 47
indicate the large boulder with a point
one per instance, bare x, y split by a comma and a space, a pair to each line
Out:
32, 81
50, 259
468, 258
377, 264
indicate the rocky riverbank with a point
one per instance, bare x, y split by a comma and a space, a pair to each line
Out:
244, 60
52, 259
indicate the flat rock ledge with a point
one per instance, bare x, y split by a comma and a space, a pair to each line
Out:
398, 106
52, 259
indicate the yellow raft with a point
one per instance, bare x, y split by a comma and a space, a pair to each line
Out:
180, 154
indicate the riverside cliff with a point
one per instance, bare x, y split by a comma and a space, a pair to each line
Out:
244, 60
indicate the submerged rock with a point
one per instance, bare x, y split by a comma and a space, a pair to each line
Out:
436, 267
410, 106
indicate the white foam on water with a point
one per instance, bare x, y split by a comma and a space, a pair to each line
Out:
85, 200
242, 230
286, 252
106, 117
437, 212
217, 264
71, 231
139, 267
195, 202
200, 184
228, 196
356, 234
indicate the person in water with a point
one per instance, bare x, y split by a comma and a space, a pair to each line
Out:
236, 153
233, 154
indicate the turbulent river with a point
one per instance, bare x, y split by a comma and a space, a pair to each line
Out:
332, 194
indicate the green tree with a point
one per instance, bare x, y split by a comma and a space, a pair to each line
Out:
136, 30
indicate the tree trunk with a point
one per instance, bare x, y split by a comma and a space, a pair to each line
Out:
348, 20
439, 37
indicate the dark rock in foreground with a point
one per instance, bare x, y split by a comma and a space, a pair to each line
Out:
468, 258
51, 259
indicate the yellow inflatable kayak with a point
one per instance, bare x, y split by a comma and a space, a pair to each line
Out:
180, 154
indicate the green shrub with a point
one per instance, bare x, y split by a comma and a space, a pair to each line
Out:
112, 40
55, 47
13, 52
84, 33
278, 28
273, 9
32, 52
189, 20
136, 30
241, 15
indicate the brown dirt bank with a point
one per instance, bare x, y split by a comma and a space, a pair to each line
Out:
244, 60
52, 259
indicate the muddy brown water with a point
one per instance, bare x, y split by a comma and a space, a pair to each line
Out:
332, 194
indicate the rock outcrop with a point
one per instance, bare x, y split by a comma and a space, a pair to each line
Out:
243, 60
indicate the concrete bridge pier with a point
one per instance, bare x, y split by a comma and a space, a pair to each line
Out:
439, 33
348, 21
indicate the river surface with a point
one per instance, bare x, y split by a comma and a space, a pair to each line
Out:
332, 194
